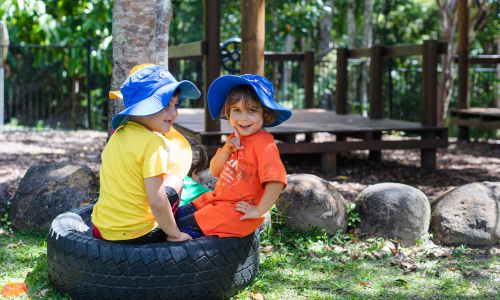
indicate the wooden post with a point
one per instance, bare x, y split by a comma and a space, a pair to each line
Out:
309, 79
429, 100
376, 101
212, 60
341, 92
463, 62
253, 15
329, 164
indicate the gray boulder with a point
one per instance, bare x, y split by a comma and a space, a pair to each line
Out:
394, 210
468, 214
207, 180
4, 199
267, 221
310, 201
50, 189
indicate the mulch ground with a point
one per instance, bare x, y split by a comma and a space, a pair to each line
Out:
459, 164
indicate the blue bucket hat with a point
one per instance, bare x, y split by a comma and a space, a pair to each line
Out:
219, 89
147, 91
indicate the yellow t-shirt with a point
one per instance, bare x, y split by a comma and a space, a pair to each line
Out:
132, 154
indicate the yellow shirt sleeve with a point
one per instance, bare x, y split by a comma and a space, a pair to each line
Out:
155, 158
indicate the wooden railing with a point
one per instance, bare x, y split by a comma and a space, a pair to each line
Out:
196, 51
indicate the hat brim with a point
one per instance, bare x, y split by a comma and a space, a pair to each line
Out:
219, 89
155, 103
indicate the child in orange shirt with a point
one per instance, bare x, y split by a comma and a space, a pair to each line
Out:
251, 174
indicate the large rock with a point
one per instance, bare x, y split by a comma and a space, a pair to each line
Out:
48, 190
207, 180
468, 214
267, 222
394, 210
4, 199
310, 201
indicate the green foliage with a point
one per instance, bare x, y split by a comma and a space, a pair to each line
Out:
352, 217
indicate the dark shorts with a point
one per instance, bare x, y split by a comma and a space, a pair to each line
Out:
186, 223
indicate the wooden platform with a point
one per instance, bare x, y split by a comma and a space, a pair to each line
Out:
190, 122
482, 117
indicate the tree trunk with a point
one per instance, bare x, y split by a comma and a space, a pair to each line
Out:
449, 18
367, 43
326, 44
163, 18
498, 70
352, 38
133, 43
287, 66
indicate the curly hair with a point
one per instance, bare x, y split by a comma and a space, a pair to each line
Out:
247, 95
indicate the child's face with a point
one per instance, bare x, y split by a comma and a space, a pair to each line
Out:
163, 120
248, 120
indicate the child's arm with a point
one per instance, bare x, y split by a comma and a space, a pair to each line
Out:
161, 209
220, 159
271, 194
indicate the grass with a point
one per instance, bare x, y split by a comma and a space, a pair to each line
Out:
290, 272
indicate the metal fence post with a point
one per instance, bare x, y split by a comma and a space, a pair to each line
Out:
89, 82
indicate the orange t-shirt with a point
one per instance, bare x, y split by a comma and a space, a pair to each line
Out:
243, 178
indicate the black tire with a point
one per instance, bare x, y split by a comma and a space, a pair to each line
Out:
88, 268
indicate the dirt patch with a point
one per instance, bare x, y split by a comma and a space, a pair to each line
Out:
460, 164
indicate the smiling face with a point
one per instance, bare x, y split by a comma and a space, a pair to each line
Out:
248, 117
162, 120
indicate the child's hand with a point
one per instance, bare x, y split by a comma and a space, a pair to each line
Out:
182, 237
248, 209
234, 144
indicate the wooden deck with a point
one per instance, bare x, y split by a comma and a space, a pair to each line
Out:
191, 122
482, 117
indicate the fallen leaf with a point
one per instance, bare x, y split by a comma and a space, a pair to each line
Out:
289, 254
267, 249
380, 255
304, 257
338, 249
447, 254
437, 242
405, 266
257, 295
312, 254
355, 240
15, 245
357, 230
365, 284
353, 256
343, 177
386, 249
389, 245
452, 269
399, 254
396, 244
362, 254
44, 292
326, 247
29, 274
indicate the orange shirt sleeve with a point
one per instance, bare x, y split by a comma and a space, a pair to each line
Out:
270, 166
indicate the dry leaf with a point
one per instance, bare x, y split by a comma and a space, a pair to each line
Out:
15, 245
353, 256
343, 177
386, 249
372, 257
365, 284
29, 274
289, 254
437, 242
399, 255
338, 249
257, 295
312, 254
44, 292
326, 247
267, 249
355, 240
494, 251
452, 269
357, 230
389, 245
396, 244
362, 254
406, 266
447, 254
380, 255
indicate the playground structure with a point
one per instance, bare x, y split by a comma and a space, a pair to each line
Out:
197, 123
462, 115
